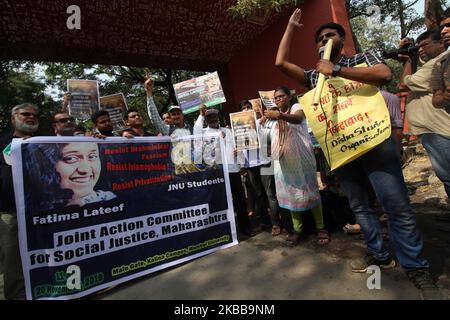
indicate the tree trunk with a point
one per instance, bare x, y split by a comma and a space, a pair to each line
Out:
433, 13
355, 39
401, 16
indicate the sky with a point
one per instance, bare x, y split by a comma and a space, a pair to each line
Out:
420, 7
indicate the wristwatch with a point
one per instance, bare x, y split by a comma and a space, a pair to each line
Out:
336, 70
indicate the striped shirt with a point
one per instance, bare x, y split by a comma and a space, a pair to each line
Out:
371, 59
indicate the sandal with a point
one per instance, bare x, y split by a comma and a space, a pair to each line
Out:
352, 228
294, 239
276, 230
323, 238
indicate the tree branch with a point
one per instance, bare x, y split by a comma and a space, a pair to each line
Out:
409, 5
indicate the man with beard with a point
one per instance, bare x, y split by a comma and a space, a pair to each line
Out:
135, 124
211, 117
102, 124
63, 124
25, 122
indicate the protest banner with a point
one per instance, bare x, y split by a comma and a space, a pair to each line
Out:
116, 105
207, 90
351, 119
267, 98
126, 214
84, 98
245, 131
257, 105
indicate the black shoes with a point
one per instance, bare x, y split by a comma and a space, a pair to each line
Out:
423, 281
248, 232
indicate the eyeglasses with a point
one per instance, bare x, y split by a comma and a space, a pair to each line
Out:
276, 98
65, 120
29, 114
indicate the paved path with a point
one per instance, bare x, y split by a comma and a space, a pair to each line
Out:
263, 267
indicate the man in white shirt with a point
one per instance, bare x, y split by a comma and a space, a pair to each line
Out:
211, 117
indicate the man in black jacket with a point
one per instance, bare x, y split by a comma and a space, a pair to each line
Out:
25, 122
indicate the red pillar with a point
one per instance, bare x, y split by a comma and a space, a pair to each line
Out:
253, 67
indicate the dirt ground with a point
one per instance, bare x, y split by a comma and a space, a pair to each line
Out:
429, 201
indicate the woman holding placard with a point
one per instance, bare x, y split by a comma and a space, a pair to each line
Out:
295, 165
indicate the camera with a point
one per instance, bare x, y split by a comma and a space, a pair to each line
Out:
408, 50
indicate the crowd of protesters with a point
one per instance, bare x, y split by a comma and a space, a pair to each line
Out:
279, 183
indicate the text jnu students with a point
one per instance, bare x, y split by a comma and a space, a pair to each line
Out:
379, 167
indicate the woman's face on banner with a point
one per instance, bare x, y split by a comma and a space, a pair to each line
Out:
79, 168
212, 84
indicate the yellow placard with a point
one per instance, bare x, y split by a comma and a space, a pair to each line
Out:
351, 119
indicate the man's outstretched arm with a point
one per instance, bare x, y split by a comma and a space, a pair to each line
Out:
153, 111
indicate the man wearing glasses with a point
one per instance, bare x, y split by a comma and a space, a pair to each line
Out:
63, 124
25, 123
426, 121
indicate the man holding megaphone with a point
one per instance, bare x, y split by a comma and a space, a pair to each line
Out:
380, 167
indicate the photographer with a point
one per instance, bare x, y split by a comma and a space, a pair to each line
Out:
430, 123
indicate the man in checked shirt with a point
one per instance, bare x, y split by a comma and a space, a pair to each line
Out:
379, 167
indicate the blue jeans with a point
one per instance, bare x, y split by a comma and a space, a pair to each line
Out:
381, 168
438, 148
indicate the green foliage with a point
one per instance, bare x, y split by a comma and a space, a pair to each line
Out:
358, 8
245, 8
399, 11
377, 39
397, 19
19, 84
127, 80
25, 82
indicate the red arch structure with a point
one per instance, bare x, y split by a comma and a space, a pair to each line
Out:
193, 35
